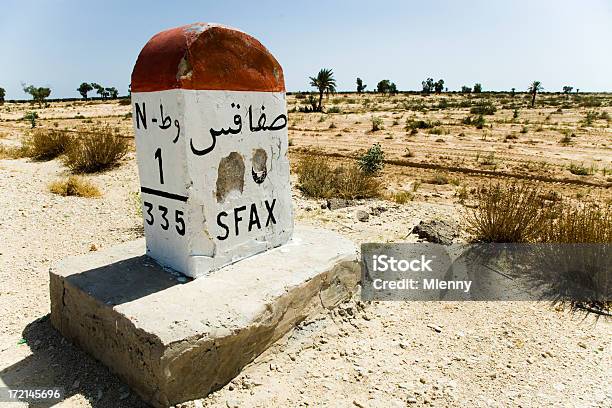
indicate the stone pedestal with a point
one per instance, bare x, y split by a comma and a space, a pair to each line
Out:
172, 341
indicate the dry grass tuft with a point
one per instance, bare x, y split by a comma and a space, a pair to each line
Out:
95, 150
507, 213
577, 275
401, 197
587, 224
74, 186
319, 179
12, 152
46, 144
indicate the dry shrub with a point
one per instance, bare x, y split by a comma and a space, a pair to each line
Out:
46, 144
319, 179
13, 152
507, 213
587, 224
74, 186
315, 176
401, 197
577, 275
95, 150
351, 183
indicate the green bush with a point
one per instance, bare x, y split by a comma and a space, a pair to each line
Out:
412, 124
377, 123
483, 108
372, 161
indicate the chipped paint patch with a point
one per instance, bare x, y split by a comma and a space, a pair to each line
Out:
230, 176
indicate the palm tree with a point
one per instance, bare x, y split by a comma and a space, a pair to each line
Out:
534, 88
324, 82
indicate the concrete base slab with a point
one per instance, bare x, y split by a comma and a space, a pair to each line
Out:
173, 342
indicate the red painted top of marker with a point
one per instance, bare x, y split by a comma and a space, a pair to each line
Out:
207, 57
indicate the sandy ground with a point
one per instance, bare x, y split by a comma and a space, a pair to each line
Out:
383, 354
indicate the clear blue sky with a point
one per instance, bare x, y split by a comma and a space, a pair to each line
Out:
500, 43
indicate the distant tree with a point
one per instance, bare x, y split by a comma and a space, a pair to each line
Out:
466, 89
477, 88
324, 82
392, 89
39, 94
534, 88
99, 89
577, 90
112, 92
385, 86
428, 85
84, 88
439, 85
512, 92
2, 95
130, 90
360, 86
567, 89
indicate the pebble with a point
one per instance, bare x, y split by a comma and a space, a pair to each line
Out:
581, 344
362, 215
231, 403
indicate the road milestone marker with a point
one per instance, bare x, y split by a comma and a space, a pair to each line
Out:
210, 121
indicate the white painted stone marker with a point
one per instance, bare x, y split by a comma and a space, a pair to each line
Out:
210, 120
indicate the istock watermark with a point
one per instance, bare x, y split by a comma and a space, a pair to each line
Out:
423, 271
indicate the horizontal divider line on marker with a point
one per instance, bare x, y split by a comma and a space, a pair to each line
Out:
164, 194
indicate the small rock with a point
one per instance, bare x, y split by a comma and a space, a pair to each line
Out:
124, 395
411, 400
581, 344
377, 210
530, 360
358, 404
231, 404
75, 384
436, 231
362, 215
422, 380
337, 203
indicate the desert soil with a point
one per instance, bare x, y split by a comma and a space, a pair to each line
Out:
379, 354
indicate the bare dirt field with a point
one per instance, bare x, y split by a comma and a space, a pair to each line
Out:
378, 354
